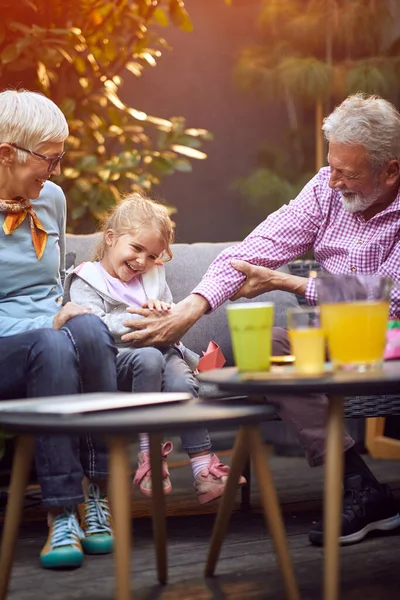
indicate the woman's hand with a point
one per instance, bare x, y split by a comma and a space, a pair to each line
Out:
67, 312
157, 306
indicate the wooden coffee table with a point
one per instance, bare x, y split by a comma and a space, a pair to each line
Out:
118, 426
336, 385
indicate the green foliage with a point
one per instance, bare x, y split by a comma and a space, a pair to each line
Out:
313, 51
319, 49
275, 181
266, 187
79, 53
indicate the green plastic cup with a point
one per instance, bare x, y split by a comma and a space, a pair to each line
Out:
250, 325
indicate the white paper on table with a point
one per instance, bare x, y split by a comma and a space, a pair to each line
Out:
82, 403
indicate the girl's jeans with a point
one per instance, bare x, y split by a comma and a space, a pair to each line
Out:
153, 370
47, 362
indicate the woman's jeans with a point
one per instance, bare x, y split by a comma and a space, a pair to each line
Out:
153, 370
48, 362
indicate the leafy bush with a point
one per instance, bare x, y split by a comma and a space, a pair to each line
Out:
79, 53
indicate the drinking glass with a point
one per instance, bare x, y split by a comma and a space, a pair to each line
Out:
354, 315
250, 325
307, 340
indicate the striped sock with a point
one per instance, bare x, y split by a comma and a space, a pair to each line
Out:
198, 463
144, 442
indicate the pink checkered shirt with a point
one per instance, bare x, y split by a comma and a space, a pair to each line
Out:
342, 243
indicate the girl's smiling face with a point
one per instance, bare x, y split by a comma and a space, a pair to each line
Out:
130, 255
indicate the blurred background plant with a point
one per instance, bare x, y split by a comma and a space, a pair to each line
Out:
311, 55
79, 53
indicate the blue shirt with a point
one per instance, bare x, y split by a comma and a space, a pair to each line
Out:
31, 289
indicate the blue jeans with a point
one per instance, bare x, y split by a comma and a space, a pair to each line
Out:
47, 362
153, 370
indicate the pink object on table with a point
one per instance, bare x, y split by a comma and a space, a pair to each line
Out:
212, 358
392, 348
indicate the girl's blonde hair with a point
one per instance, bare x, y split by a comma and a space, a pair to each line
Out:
134, 213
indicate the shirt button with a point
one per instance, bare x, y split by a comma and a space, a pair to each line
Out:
353, 269
359, 242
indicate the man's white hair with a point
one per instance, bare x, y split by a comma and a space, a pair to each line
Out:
367, 121
29, 119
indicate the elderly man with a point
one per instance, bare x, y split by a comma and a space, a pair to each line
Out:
349, 214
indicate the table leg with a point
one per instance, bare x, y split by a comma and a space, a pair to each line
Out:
239, 456
158, 507
245, 504
119, 489
19, 479
272, 511
333, 496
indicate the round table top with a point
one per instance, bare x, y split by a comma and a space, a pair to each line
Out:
283, 380
171, 417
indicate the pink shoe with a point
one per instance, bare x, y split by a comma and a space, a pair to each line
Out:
143, 472
210, 483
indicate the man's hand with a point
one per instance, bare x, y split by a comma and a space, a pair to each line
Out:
164, 329
67, 312
258, 280
261, 279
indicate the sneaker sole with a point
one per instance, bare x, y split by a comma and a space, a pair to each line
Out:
74, 561
382, 525
210, 496
98, 547
149, 493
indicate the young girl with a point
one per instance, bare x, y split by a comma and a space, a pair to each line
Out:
129, 271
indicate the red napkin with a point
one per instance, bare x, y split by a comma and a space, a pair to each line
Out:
212, 358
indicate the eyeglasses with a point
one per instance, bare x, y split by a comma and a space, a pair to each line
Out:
53, 162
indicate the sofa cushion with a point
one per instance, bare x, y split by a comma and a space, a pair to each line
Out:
83, 246
189, 264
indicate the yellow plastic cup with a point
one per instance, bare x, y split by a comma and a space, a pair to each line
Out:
250, 325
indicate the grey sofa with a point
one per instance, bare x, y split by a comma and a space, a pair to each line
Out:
189, 264
186, 269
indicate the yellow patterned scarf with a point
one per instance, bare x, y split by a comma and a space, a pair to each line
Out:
17, 209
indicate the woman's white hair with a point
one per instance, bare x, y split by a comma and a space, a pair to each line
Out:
367, 121
29, 119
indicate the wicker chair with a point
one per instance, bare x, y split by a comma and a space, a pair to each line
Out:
374, 409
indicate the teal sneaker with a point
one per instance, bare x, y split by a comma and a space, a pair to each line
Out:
96, 523
63, 547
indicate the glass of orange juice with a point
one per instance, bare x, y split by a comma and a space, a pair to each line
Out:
354, 315
307, 340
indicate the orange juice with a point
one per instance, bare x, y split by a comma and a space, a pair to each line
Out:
308, 347
355, 331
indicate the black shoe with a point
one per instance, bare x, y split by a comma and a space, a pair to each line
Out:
366, 507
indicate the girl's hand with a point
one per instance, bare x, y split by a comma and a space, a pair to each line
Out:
157, 306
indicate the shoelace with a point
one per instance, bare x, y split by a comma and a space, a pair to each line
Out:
353, 503
216, 468
66, 530
145, 468
97, 512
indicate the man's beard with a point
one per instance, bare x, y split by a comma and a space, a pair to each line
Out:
357, 203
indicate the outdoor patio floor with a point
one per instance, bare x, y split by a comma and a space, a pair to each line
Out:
247, 568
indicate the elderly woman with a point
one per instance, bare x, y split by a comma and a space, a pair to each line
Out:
47, 350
